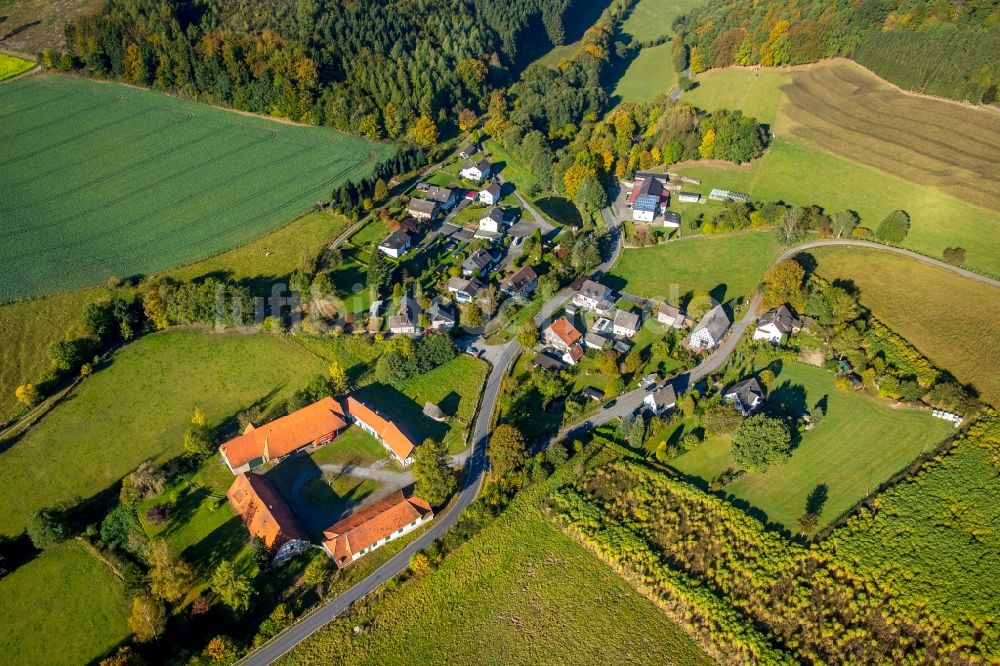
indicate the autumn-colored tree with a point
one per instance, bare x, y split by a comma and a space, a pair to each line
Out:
467, 119
381, 191
707, 147
155, 308
506, 449
220, 649
27, 395
420, 564
527, 335
170, 577
123, 656
148, 619
783, 284
368, 126
233, 588
317, 571
135, 69
574, 178
339, 383
696, 61
497, 111
424, 131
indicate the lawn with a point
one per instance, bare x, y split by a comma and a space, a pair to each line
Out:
106, 180
965, 342
271, 257
11, 66
62, 607
861, 442
139, 407
651, 73
519, 592
652, 19
707, 460
726, 266
822, 155
354, 446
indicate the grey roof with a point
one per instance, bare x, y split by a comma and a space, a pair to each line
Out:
547, 361
665, 396
483, 165
746, 390
478, 260
592, 393
520, 280
782, 317
433, 411
397, 240
668, 310
493, 188
671, 216
593, 290
468, 286
626, 319
440, 312
425, 206
522, 229
439, 194
716, 321
469, 149
495, 214
405, 314
622, 347
595, 340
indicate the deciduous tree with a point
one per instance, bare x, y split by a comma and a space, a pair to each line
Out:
233, 588
506, 449
148, 619
435, 478
761, 441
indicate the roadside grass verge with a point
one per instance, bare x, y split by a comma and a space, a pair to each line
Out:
62, 607
901, 292
139, 407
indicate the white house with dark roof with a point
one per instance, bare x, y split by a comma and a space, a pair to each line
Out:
445, 197
395, 244
645, 197
442, 317
422, 209
661, 400
592, 295
776, 323
465, 290
671, 316
492, 221
671, 220
490, 195
521, 283
404, 322
711, 329
626, 323
476, 171
746, 396
479, 262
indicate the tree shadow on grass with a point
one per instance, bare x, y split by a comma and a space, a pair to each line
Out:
222, 544
449, 404
187, 504
817, 499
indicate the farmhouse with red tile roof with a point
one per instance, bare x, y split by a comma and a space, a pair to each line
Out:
374, 526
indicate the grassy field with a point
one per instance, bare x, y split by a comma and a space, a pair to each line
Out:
35, 25
652, 19
651, 73
811, 165
544, 598
901, 292
934, 536
109, 180
726, 266
63, 607
11, 66
139, 408
860, 443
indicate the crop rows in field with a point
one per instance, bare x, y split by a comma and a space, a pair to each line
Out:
107, 180
852, 113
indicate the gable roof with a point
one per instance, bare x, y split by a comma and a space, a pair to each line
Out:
439, 194
440, 312
746, 390
521, 279
482, 165
425, 206
626, 319
665, 396
575, 352
405, 315
493, 189
565, 331
286, 434
668, 310
495, 214
547, 361
470, 287
263, 511
672, 217
782, 317
716, 321
478, 260
388, 431
371, 524
593, 290
397, 240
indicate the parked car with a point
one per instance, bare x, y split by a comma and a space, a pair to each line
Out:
474, 351
609, 404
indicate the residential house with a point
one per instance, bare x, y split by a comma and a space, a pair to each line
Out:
479, 263
592, 394
746, 396
644, 199
603, 325
404, 322
267, 516
309, 427
661, 400
710, 330
444, 197
593, 296
423, 209
671, 219
468, 150
595, 341
396, 244
373, 526
623, 347
394, 440
671, 316
476, 171
442, 318
465, 290
521, 283
563, 336
626, 323
493, 221
548, 359
776, 323
689, 197
490, 195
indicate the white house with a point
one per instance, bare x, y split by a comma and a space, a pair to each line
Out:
592, 295
490, 195
476, 171
374, 526
669, 315
671, 220
521, 283
464, 290
404, 322
626, 323
776, 323
478, 263
564, 337
746, 396
442, 317
644, 199
443, 196
595, 341
711, 329
492, 221
661, 400
422, 209
395, 244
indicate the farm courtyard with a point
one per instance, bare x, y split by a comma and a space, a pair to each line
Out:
106, 180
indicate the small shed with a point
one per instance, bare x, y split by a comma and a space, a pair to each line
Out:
432, 411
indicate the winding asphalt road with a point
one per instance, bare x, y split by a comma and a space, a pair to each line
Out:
501, 357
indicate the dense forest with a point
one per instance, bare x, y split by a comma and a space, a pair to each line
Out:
368, 67
950, 49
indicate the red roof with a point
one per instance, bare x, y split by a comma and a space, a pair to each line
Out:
283, 436
264, 511
565, 331
371, 524
385, 429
